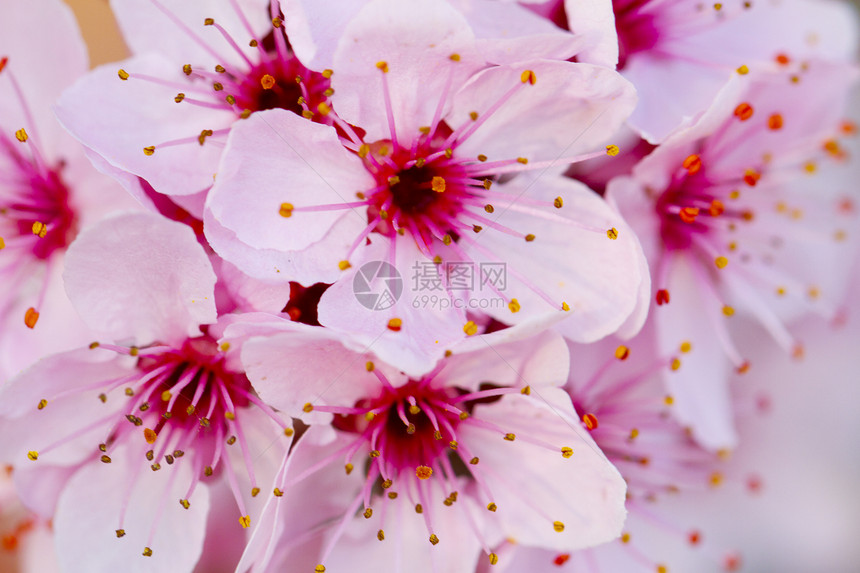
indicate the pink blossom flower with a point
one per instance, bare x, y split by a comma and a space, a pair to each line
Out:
618, 393
741, 213
426, 472
679, 54
118, 433
197, 69
48, 190
424, 181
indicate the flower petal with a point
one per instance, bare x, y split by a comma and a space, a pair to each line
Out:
570, 109
141, 276
534, 486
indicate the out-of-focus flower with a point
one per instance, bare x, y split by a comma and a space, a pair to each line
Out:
743, 212
679, 54
118, 433
439, 467
48, 190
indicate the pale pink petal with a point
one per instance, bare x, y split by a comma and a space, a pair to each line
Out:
692, 86
315, 263
42, 69
146, 28
251, 294
118, 119
541, 360
63, 381
425, 324
277, 157
143, 277
570, 109
40, 485
507, 33
287, 521
571, 260
309, 364
595, 20
88, 515
314, 28
698, 387
416, 40
535, 486
405, 548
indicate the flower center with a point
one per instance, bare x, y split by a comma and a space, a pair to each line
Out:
426, 197
694, 205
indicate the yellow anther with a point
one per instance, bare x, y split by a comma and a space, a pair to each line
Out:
245, 521
625, 537
526, 391
370, 366
721, 262
277, 492
2, 243
454, 57
42, 404
676, 364
380, 535
510, 437
120, 533
529, 238
31, 317
343, 265
566, 452
288, 432
728, 310
612, 233
433, 539
327, 73
147, 552
474, 461
149, 435
514, 305
319, 568
470, 328
185, 503
348, 468
369, 416
528, 77
612, 150
220, 69
308, 408
482, 157
669, 400
622, 352
307, 114
323, 108
634, 433
522, 160
565, 307
558, 202
148, 151
123, 75
423, 472
105, 459
686, 347
473, 115
21, 135
492, 506
438, 184
395, 324
558, 526
208, 21
493, 558
33, 455
743, 70
382, 66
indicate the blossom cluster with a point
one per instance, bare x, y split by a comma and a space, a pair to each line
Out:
424, 286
